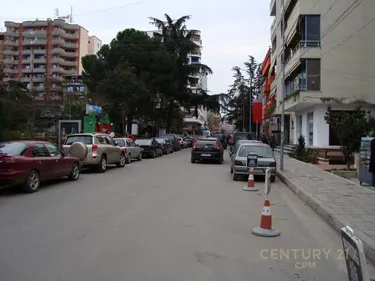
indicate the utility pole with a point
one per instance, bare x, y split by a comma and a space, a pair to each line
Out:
250, 102
243, 112
283, 87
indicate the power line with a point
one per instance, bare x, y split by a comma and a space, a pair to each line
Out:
83, 14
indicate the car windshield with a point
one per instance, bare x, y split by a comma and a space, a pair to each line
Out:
120, 142
84, 139
170, 137
204, 143
241, 136
261, 151
143, 142
13, 148
160, 140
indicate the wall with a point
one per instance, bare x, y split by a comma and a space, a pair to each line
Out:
1, 50
94, 45
83, 46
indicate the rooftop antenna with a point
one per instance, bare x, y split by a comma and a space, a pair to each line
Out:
68, 18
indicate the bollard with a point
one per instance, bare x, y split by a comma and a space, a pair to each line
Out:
265, 229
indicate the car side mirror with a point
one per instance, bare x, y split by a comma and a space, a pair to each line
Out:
116, 143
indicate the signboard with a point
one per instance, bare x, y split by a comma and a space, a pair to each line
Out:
252, 160
354, 255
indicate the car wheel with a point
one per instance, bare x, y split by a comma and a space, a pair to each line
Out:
231, 170
32, 182
74, 172
139, 156
221, 160
122, 162
235, 177
192, 160
153, 154
129, 159
102, 165
273, 178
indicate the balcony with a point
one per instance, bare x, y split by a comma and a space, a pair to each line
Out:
6, 79
69, 54
36, 23
68, 26
69, 45
57, 70
38, 79
11, 33
40, 61
26, 61
26, 70
9, 24
29, 42
10, 70
10, 61
69, 71
56, 89
39, 52
273, 8
39, 89
57, 60
58, 32
57, 51
71, 36
10, 53
39, 70
34, 33
303, 50
273, 28
26, 79
292, 23
57, 78
68, 63
11, 43
58, 41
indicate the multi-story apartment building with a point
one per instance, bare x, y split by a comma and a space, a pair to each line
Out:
94, 45
327, 63
39, 53
1, 51
199, 82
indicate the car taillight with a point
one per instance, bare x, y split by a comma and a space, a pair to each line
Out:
195, 145
125, 149
94, 147
273, 164
217, 146
163, 145
232, 140
238, 163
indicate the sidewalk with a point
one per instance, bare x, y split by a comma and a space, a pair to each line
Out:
337, 200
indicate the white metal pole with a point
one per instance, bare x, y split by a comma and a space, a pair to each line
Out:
283, 88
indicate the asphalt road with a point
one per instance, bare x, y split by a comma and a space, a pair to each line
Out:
161, 219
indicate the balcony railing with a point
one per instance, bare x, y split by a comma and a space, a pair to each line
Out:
9, 61
10, 53
11, 43
11, 33
10, 70
305, 44
35, 42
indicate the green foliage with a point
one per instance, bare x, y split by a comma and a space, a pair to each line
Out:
300, 150
11, 135
29, 130
301, 153
348, 127
236, 102
292, 96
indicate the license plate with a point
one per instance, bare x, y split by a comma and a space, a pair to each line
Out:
259, 171
206, 154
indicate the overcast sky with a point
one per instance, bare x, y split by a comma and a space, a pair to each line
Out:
231, 30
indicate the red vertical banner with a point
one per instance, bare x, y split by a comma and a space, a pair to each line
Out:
256, 111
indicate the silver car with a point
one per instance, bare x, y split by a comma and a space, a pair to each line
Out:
132, 150
238, 159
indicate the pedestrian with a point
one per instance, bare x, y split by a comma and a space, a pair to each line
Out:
132, 137
272, 142
147, 135
372, 161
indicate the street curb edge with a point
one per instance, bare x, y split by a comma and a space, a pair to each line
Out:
327, 214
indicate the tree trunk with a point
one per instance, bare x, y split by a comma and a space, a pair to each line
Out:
169, 117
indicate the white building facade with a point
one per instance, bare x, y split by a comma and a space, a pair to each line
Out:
328, 62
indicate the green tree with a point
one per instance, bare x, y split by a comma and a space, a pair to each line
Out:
349, 127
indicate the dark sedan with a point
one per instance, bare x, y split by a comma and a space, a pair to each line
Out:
151, 148
174, 141
28, 163
207, 149
166, 145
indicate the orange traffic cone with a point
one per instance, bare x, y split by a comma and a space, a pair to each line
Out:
266, 229
250, 182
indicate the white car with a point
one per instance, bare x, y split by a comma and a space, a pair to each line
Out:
131, 149
183, 143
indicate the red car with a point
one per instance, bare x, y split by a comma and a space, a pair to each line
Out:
28, 163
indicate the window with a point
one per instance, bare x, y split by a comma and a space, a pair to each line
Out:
143, 142
309, 77
204, 143
129, 143
310, 127
13, 148
121, 142
100, 139
84, 139
39, 150
53, 150
310, 27
261, 151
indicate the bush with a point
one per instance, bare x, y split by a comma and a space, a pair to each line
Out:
11, 135
310, 156
302, 154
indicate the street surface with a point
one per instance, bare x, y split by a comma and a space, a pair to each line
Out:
161, 219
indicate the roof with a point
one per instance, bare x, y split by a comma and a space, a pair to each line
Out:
207, 139
255, 144
27, 141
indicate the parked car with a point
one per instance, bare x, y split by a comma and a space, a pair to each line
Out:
166, 145
99, 149
239, 136
131, 149
189, 141
173, 139
151, 147
29, 163
207, 148
266, 158
182, 142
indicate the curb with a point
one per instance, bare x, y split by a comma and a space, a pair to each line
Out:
328, 215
